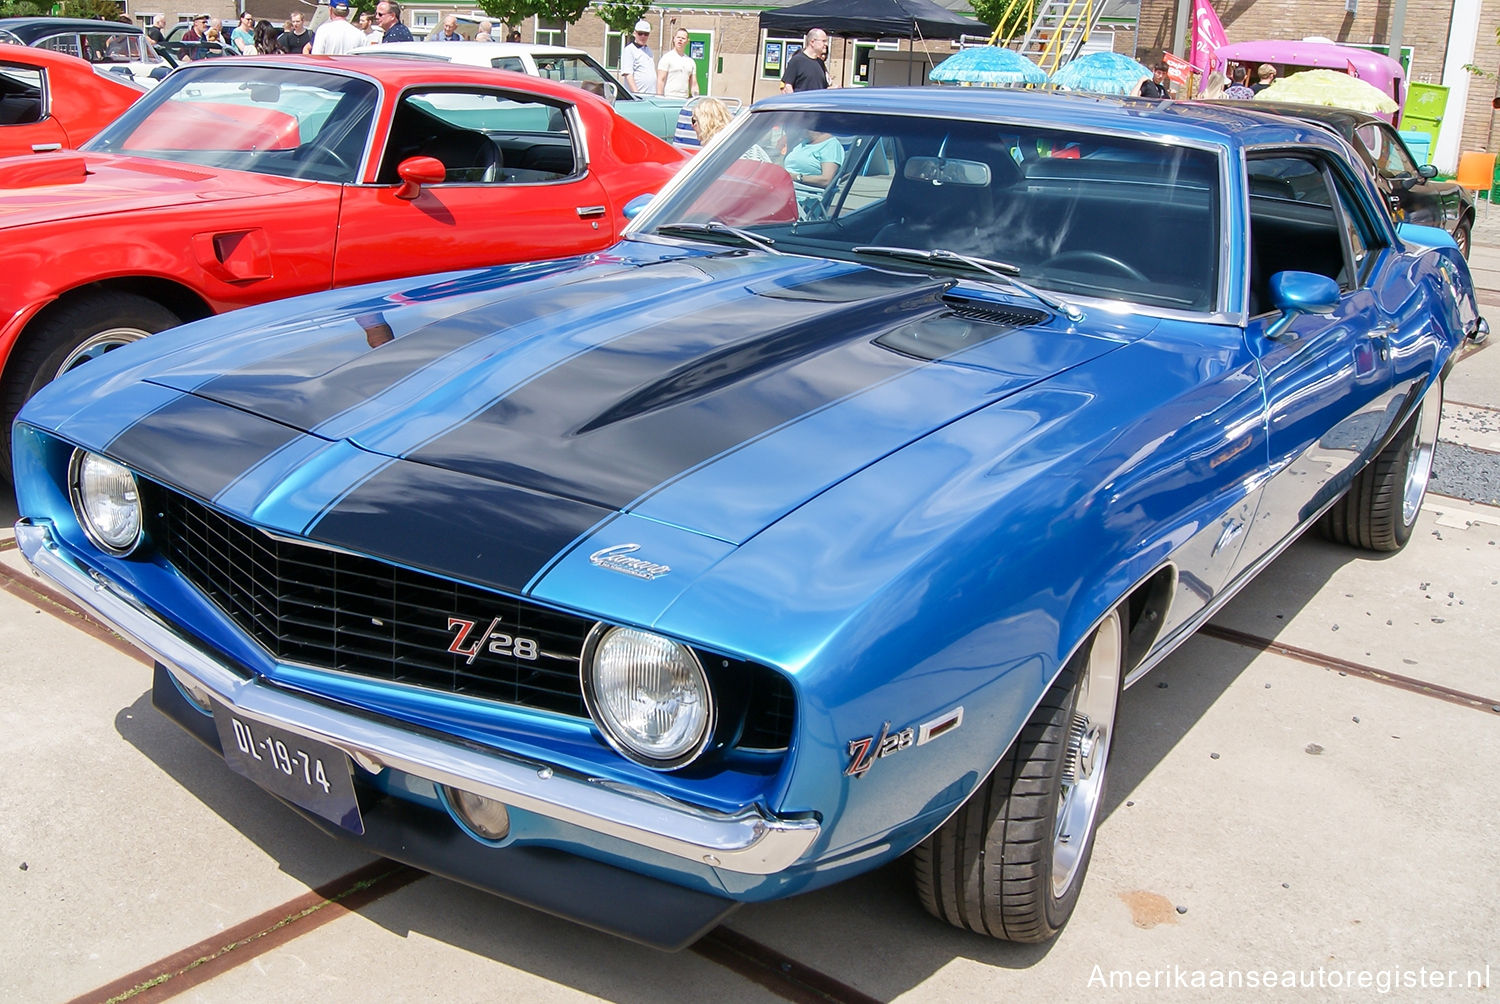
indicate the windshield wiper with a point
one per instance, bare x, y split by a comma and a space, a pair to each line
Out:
715, 227
1002, 270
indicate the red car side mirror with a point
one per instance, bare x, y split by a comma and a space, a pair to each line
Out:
416, 172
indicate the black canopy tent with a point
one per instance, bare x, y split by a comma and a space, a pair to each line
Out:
908, 19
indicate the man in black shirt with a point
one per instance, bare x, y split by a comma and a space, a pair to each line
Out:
807, 70
296, 40
388, 17
1158, 86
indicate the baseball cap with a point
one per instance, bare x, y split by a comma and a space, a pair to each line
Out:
643, 25
338, 4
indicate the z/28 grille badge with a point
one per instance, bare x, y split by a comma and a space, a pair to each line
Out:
865, 751
619, 559
497, 641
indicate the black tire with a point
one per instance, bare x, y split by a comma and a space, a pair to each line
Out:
1011, 861
1379, 511
1462, 234
72, 332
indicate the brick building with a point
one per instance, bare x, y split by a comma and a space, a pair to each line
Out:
1432, 28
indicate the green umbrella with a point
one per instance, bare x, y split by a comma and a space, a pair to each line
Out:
1329, 87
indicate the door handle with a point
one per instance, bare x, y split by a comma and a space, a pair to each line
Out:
590, 212
45, 147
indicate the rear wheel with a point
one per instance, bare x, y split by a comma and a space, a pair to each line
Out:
1011, 861
1461, 235
83, 328
1380, 509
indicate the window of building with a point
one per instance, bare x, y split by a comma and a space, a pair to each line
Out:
614, 45
551, 31
423, 21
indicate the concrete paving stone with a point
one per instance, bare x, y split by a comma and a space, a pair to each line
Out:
1359, 858
1475, 379
121, 839
1426, 611
436, 940
1469, 426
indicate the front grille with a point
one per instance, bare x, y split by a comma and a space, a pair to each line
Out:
333, 610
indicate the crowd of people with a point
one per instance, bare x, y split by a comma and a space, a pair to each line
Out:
338, 35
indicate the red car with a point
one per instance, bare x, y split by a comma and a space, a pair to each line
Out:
50, 100
239, 181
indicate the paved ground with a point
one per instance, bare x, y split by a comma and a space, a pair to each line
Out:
1303, 797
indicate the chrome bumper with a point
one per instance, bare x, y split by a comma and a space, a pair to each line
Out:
747, 842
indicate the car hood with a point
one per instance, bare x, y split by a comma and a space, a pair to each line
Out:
69, 185
713, 393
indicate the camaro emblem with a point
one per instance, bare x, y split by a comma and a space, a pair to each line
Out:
493, 640
865, 751
618, 559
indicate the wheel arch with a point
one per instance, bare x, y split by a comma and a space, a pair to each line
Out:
181, 300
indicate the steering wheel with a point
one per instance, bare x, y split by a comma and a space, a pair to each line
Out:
1100, 258
331, 155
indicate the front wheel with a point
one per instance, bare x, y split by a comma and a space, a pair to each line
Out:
1379, 511
1011, 861
80, 329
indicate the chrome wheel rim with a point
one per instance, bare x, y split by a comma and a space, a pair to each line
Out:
97, 344
1419, 456
1086, 756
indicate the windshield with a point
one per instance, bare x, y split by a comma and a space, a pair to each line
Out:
578, 69
1077, 213
103, 46
267, 119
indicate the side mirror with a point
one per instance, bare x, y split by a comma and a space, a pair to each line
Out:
1428, 171
1297, 293
416, 172
634, 206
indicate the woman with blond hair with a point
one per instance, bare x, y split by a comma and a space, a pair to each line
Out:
710, 115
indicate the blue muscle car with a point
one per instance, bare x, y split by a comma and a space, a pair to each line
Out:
819, 521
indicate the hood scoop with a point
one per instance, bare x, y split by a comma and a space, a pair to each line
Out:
39, 170
995, 313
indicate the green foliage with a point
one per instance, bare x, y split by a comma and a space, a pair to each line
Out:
99, 10
1007, 13
22, 8
621, 15
514, 12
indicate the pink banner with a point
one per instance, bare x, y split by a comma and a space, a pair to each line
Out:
1208, 35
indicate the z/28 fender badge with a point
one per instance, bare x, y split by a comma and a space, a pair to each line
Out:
865, 751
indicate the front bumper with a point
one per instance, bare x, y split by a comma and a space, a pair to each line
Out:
749, 842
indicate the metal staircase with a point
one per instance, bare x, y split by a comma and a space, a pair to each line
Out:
1054, 29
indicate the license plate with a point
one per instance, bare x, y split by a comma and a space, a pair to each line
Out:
310, 774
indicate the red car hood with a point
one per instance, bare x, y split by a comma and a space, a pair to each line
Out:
68, 185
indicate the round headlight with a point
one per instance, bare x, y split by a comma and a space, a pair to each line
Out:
107, 502
649, 696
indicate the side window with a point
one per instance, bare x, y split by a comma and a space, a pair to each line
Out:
482, 137
20, 95
71, 44
512, 63
1293, 224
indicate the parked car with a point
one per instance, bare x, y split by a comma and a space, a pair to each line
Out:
1412, 191
656, 115
184, 52
50, 100
239, 181
111, 46
1289, 56
804, 528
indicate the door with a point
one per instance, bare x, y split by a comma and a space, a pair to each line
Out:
1417, 200
701, 47
25, 126
517, 187
1327, 377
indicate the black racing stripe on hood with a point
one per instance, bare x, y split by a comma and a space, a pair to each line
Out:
197, 445
612, 423
455, 525
316, 381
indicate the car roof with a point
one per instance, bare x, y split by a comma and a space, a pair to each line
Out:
1187, 122
401, 73
35, 27
488, 49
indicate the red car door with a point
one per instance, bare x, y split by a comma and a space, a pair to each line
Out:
24, 125
515, 187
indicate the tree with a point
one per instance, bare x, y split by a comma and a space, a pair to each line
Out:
513, 12
98, 10
20, 8
622, 15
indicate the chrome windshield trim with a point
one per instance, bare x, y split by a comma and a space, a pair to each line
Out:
748, 842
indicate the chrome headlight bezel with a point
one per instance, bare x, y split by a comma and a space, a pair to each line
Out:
119, 545
617, 733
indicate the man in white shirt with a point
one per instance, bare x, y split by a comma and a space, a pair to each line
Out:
637, 65
336, 36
